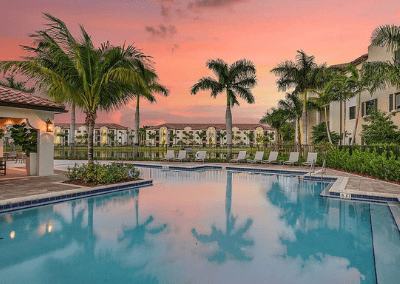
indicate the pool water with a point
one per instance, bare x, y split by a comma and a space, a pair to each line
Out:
203, 227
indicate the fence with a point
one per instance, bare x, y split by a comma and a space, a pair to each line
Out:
157, 152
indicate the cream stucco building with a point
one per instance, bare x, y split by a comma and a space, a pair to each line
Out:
172, 133
342, 117
104, 134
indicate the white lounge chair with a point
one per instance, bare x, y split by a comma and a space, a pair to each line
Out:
310, 158
200, 156
240, 158
293, 158
170, 156
181, 156
273, 158
258, 157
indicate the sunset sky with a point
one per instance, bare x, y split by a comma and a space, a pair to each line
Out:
181, 35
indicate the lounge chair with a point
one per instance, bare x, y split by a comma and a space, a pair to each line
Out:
20, 157
181, 156
170, 156
293, 158
273, 158
258, 157
200, 156
240, 158
310, 158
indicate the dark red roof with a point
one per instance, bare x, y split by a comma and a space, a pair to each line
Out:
96, 126
220, 126
355, 62
14, 98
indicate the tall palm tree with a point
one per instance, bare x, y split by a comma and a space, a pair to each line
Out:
276, 118
151, 86
293, 107
321, 103
302, 75
236, 80
92, 78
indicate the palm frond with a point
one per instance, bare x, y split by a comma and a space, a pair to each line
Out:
388, 36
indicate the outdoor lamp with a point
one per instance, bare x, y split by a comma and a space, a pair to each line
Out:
49, 126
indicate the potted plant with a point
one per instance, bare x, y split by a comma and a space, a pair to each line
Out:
27, 139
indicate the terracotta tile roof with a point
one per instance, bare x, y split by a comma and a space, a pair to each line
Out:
220, 126
96, 126
355, 62
14, 98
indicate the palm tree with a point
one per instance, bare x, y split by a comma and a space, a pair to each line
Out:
250, 136
201, 135
11, 83
321, 103
152, 136
293, 107
276, 118
236, 80
93, 79
220, 136
142, 134
151, 86
303, 75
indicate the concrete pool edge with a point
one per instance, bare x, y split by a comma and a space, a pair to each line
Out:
26, 202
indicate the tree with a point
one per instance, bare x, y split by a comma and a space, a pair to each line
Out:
201, 135
152, 136
173, 137
320, 134
321, 103
381, 129
293, 107
151, 85
111, 135
92, 78
221, 135
276, 118
250, 136
302, 75
63, 135
20, 86
142, 134
288, 132
237, 139
236, 80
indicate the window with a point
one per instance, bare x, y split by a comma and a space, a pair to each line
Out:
352, 112
397, 101
397, 56
368, 106
390, 102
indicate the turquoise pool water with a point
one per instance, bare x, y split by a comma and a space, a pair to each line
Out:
203, 227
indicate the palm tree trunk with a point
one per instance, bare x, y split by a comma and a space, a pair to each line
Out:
327, 126
90, 121
341, 120
72, 130
353, 137
136, 129
344, 122
304, 117
228, 118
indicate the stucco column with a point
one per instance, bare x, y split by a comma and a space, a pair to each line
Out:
45, 152
318, 117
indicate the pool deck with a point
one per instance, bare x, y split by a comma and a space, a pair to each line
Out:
17, 185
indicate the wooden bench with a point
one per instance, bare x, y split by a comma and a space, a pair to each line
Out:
3, 166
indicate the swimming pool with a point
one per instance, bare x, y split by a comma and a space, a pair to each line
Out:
210, 226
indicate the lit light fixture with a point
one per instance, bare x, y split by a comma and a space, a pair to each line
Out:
49, 126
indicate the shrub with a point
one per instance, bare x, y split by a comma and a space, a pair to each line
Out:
382, 166
102, 174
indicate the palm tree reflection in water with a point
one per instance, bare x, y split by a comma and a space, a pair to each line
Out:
138, 232
231, 242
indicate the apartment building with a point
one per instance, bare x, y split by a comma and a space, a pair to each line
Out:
342, 116
206, 134
109, 134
